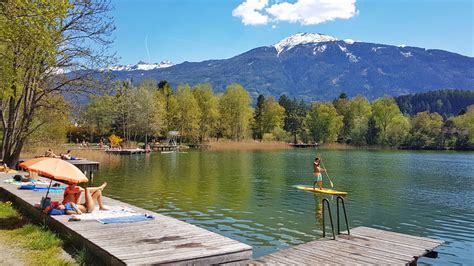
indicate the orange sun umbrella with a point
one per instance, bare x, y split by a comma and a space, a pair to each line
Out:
55, 169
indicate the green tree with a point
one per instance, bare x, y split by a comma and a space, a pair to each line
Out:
167, 99
360, 112
372, 132
54, 121
324, 122
426, 130
387, 117
465, 123
187, 113
99, 115
125, 108
272, 116
342, 107
295, 115
208, 107
39, 42
235, 112
257, 125
398, 131
147, 113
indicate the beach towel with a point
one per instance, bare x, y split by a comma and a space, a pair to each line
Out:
38, 183
127, 219
112, 212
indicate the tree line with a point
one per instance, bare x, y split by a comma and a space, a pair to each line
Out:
151, 109
444, 102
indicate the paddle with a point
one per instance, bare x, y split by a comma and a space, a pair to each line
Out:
326, 170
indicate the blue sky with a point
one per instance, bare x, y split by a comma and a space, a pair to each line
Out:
197, 30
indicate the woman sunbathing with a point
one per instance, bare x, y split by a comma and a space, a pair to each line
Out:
92, 194
72, 193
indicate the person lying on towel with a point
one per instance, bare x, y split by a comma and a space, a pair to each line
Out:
92, 195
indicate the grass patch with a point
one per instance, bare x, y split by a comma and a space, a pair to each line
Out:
36, 245
36, 238
7, 211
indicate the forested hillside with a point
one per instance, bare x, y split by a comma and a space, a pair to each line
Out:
444, 102
321, 69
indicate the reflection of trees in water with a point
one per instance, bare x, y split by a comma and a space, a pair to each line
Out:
318, 211
198, 181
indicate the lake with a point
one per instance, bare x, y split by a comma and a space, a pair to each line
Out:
249, 195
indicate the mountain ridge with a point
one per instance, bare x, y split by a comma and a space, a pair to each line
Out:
314, 66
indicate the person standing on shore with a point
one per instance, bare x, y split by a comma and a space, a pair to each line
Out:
317, 176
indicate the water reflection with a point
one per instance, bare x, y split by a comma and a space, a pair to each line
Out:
249, 196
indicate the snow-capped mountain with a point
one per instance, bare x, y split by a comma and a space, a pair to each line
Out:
302, 38
142, 66
314, 66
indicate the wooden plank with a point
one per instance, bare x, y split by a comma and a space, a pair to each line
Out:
327, 256
174, 255
336, 253
298, 256
415, 244
337, 260
376, 247
222, 259
396, 237
144, 245
170, 255
353, 250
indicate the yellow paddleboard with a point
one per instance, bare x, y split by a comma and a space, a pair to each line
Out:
323, 191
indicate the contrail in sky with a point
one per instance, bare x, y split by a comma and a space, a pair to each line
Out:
146, 46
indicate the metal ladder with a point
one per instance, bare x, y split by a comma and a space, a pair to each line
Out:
339, 199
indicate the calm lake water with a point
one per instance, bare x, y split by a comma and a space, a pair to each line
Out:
249, 195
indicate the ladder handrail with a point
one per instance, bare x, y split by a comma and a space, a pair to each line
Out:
330, 218
345, 215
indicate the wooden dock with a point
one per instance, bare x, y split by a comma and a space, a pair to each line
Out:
199, 146
126, 151
164, 240
86, 166
364, 246
163, 147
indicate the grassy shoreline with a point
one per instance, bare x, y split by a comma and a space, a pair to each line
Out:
28, 243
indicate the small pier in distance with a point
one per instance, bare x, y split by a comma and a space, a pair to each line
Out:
126, 151
199, 146
86, 166
163, 147
364, 246
303, 145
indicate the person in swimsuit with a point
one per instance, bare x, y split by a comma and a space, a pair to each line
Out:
72, 193
317, 176
92, 195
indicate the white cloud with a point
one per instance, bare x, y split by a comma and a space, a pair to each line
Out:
249, 12
306, 12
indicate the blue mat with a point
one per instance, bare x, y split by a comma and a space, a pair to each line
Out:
127, 219
43, 189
